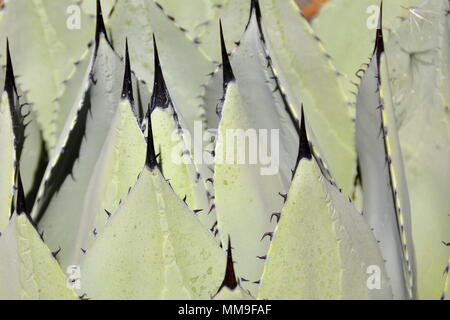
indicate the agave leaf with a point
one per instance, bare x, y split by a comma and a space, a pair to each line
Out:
395, 12
308, 76
212, 98
261, 98
70, 99
65, 211
186, 67
45, 51
234, 17
12, 135
201, 18
188, 178
419, 65
154, 248
28, 270
7, 161
34, 156
193, 16
231, 288
116, 170
343, 24
63, 154
182, 175
252, 106
386, 201
322, 247
244, 198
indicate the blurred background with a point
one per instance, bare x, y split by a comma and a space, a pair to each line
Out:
310, 8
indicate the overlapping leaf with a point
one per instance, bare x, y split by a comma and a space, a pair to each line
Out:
45, 65
322, 247
419, 66
308, 76
153, 248
255, 155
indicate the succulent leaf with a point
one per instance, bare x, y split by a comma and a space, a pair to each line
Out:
343, 24
28, 270
172, 256
308, 77
7, 161
185, 73
66, 212
419, 66
386, 203
44, 66
322, 247
247, 194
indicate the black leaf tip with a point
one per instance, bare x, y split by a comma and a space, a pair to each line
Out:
160, 95
379, 41
228, 75
10, 82
150, 160
255, 9
100, 28
127, 91
21, 207
230, 279
304, 149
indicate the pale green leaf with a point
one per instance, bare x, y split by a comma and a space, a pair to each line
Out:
234, 15
178, 167
308, 77
44, 51
344, 25
186, 68
386, 202
322, 247
255, 154
247, 194
153, 248
419, 67
28, 270
116, 170
7, 160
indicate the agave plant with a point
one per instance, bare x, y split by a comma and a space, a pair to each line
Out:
115, 123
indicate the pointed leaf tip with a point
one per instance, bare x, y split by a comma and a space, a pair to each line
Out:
15, 108
150, 160
100, 28
255, 9
230, 279
10, 82
127, 91
379, 41
304, 151
21, 207
228, 75
160, 98
160, 95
